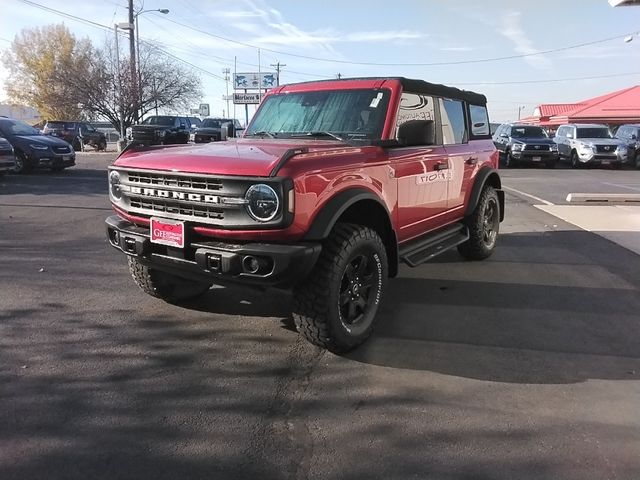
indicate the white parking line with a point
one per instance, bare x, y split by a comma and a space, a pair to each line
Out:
537, 199
621, 186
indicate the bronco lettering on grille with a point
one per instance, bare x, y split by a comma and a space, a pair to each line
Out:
157, 193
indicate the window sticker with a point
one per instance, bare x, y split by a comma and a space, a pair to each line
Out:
374, 103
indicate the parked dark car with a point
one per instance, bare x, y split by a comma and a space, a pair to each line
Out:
77, 134
7, 157
161, 130
630, 136
210, 129
518, 143
35, 150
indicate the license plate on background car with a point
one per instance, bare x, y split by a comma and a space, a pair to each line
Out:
536, 159
167, 232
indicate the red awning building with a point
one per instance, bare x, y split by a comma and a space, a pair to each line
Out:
616, 108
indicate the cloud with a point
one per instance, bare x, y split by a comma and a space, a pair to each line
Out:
457, 49
512, 30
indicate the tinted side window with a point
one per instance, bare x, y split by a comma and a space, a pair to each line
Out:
479, 120
454, 129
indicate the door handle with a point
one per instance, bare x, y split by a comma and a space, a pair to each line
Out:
442, 166
472, 160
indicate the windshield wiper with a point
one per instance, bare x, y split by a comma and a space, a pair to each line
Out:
263, 133
321, 134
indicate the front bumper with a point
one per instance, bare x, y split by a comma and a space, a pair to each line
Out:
281, 265
601, 159
7, 163
48, 159
535, 156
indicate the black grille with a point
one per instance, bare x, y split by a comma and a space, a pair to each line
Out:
160, 206
196, 183
537, 148
148, 137
62, 149
606, 148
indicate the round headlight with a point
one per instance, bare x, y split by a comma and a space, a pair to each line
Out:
263, 204
114, 185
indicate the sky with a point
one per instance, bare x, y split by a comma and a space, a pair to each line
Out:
318, 40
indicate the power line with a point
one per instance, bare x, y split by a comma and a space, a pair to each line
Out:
517, 82
380, 64
105, 27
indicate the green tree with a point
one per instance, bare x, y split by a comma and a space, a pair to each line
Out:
40, 60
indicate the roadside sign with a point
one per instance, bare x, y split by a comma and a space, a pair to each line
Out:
246, 98
254, 80
204, 109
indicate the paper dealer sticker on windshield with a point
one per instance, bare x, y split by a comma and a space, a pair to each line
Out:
374, 103
167, 232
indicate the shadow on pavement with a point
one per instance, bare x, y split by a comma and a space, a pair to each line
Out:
518, 318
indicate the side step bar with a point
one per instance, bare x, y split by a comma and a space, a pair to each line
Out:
435, 243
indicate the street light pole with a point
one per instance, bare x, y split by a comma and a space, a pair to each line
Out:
164, 11
519, 110
132, 55
118, 84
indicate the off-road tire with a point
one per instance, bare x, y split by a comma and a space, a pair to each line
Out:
479, 247
102, 145
76, 144
636, 156
163, 285
22, 164
317, 302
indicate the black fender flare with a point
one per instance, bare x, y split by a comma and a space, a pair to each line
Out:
334, 208
484, 176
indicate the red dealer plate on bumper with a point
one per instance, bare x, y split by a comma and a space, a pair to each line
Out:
167, 232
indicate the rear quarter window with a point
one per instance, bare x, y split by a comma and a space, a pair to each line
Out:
479, 121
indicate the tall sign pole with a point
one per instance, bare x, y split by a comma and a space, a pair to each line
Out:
226, 72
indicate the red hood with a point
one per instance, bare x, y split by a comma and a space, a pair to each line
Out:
241, 157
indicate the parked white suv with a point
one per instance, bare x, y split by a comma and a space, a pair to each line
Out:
590, 144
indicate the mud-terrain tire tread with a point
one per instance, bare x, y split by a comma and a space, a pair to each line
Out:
311, 298
475, 248
165, 286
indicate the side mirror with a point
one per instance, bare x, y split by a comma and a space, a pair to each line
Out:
417, 132
633, 137
227, 130
504, 135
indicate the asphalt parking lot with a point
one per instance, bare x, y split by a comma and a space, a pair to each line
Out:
525, 366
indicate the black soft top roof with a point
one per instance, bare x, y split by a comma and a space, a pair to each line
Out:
420, 86
439, 90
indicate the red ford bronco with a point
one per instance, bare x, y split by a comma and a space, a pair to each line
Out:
332, 185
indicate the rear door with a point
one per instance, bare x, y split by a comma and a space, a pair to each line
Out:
464, 156
562, 141
421, 173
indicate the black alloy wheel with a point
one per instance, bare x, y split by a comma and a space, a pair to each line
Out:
22, 164
356, 286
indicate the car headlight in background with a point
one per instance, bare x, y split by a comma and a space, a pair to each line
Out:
516, 147
554, 148
621, 150
586, 149
114, 185
263, 203
37, 146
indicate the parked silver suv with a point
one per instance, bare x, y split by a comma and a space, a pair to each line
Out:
590, 144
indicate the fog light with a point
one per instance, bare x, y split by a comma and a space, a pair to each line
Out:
116, 237
250, 264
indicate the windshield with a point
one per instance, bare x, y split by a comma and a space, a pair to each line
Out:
350, 114
596, 132
163, 120
528, 132
15, 127
211, 123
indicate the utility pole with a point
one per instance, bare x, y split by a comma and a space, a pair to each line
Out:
227, 72
278, 66
132, 56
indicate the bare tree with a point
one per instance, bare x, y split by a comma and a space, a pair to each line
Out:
165, 84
